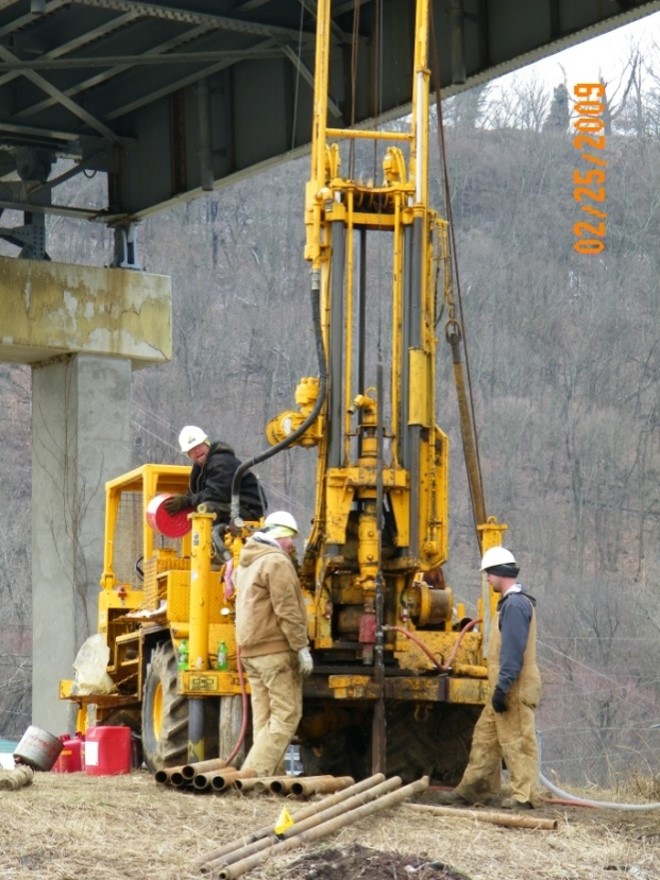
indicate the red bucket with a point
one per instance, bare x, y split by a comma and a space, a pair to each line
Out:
172, 525
70, 758
108, 751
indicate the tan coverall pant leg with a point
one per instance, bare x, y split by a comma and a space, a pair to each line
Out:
510, 735
260, 706
517, 736
276, 699
483, 774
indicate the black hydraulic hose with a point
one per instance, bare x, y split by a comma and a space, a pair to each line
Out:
311, 418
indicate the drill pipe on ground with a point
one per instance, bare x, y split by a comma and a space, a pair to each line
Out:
163, 777
173, 776
16, 778
189, 771
178, 780
510, 820
219, 779
306, 786
327, 813
301, 786
292, 839
183, 774
312, 809
284, 784
259, 784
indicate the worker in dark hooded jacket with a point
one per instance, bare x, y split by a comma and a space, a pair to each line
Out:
214, 466
271, 634
506, 728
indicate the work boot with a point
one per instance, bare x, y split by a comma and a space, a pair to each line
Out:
513, 804
451, 799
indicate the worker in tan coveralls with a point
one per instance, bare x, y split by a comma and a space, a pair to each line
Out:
506, 728
271, 632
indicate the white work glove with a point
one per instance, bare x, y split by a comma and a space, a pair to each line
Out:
305, 662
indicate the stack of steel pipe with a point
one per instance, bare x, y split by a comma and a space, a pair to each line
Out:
258, 784
220, 779
216, 775
184, 775
317, 820
299, 786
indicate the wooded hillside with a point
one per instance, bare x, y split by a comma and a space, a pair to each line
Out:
564, 362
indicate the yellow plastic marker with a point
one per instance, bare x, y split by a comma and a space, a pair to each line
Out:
284, 822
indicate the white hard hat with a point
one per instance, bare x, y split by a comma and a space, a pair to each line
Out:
190, 437
497, 556
280, 519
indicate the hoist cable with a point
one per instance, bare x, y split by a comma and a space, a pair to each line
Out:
296, 90
354, 67
477, 491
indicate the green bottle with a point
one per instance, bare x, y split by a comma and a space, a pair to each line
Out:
223, 661
182, 657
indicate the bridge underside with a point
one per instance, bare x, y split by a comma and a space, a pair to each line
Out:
176, 97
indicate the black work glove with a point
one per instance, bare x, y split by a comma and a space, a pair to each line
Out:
499, 700
176, 503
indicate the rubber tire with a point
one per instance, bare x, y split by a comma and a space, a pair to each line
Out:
164, 712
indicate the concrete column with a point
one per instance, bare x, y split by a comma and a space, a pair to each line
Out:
81, 437
83, 330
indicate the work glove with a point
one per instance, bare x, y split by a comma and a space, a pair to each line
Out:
499, 700
305, 662
177, 503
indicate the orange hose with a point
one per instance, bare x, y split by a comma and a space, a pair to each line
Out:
442, 667
418, 642
468, 626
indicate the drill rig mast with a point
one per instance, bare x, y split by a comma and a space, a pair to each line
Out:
373, 562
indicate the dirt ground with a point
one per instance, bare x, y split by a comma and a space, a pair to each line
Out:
75, 827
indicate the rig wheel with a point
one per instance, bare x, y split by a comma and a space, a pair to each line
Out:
164, 712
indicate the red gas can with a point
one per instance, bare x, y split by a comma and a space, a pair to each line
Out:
70, 758
107, 750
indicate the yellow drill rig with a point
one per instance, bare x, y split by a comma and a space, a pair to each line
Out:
399, 671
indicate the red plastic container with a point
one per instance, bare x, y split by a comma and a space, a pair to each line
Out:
108, 751
70, 758
172, 525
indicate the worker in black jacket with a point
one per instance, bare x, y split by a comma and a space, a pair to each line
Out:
506, 729
214, 466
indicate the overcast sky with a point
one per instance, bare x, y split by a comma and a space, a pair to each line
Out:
604, 55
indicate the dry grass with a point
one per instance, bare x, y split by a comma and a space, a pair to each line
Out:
70, 827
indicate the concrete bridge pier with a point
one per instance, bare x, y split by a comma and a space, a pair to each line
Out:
83, 330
